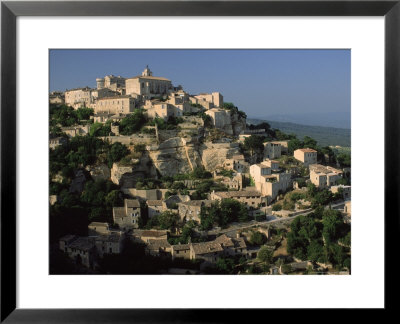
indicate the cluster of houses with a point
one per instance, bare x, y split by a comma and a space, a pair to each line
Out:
117, 97
87, 250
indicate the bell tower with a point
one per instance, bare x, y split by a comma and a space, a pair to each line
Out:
147, 72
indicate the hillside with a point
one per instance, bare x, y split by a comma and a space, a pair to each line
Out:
325, 136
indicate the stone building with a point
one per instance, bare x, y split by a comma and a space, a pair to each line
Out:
127, 217
306, 155
115, 105
111, 82
80, 249
148, 85
212, 250
57, 141
324, 176
109, 243
284, 146
102, 117
180, 251
190, 210
346, 191
209, 100
144, 236
236, 163
98, 228
154, 207
273, 164
259, 170
268, 183
221, 118
76, 130
162, 110
251, 198
79, 97
158, 247
272, 150
56, 98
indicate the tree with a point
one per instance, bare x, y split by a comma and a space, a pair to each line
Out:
168, 220
315, 252
84, 113
344, 159
265, 254
132, 123
116, 153
332, 220
254, 144
257, 238
309, 142
293, 145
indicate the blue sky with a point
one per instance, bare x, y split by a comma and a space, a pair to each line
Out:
289, 85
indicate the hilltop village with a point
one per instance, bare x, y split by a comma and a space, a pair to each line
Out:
146, 178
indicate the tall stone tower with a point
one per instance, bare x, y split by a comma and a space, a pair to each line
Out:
147, 72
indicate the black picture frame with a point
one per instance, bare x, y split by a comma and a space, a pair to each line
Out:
10, 10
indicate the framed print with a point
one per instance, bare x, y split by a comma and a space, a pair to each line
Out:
197, 137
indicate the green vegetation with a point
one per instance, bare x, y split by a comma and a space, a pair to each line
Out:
132, 123
170, 124
254, 144
73, 211
317, 241
166, 220
222, 213
234, 110
257, 238
265, 254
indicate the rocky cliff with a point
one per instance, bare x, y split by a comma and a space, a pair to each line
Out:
175, 155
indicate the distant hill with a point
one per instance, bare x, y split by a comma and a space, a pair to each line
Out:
325, 136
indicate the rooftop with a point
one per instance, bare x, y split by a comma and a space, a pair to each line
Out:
319, 168
119, 212
132, 203
181, 247
307, 150
207, 247
82, 243
240, 193
154, 202
156, 244
98, 224
149, 77
115, 97
196, 202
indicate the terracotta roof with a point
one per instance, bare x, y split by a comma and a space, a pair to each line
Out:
307, 150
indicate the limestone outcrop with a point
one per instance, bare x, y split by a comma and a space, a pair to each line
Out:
213, 155
99, 172
174, 156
